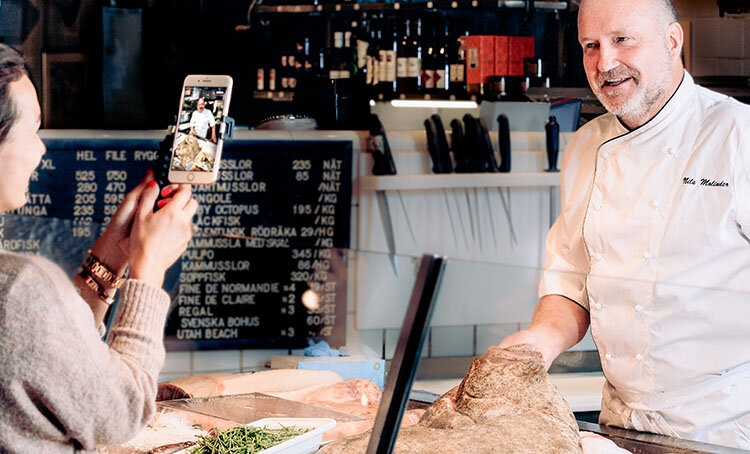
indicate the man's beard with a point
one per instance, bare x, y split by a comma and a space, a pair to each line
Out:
643, 99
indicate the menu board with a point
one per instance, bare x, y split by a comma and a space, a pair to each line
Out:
266, 267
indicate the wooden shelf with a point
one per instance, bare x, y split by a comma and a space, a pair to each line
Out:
459, 180
412, 6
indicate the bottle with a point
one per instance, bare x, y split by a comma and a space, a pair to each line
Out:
429, 61
441, 67
283, 72
372, 64
404, 55
457, 82
414, 71
390, 68
383, 59
362, 41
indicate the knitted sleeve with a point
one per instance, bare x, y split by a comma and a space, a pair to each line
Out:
69, 386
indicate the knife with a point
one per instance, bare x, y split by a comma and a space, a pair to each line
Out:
383, 164
443, 148
475, 161
552, 130
503, 131
487, 155
462, 162
457, 146
444, 154
438, 164
503, 140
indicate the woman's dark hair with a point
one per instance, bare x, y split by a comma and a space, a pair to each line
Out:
12, 68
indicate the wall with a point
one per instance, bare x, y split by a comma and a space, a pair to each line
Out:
719, 46
488, 292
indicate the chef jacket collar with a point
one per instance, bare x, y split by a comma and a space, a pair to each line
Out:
680, 97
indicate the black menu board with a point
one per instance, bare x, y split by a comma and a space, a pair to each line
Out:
270, 234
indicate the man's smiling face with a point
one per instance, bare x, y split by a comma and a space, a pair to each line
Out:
627, 56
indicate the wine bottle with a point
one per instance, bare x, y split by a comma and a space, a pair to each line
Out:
441, 67
457, 83
404, 51
414, 71
429, 61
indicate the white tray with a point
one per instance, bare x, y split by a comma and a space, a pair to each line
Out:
307, 443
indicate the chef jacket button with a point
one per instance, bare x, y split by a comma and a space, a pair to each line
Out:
599, 257
647, 256
638, 308
609, 356
597, 206
670, 151
655, 204
604, 155
597, 306
639, 357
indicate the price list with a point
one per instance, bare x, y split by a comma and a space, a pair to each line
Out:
266, 266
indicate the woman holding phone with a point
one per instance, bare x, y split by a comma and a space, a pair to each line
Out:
63, 389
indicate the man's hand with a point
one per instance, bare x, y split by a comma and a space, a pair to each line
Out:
537, 340
558, 324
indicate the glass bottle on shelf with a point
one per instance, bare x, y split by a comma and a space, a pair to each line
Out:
429, 61
441, 67
457, 82
414, 70
404, 55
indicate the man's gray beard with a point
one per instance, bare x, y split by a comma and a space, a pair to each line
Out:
634, 110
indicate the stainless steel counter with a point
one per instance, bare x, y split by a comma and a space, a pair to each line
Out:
646, 443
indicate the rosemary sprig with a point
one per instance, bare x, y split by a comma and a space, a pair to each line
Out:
244, 440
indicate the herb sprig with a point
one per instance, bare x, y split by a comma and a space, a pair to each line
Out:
244, 440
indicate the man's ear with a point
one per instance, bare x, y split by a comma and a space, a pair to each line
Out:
675, 38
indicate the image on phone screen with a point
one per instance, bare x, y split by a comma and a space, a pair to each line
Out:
198, 129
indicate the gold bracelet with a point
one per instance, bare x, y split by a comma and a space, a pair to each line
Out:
91, 283
96, 268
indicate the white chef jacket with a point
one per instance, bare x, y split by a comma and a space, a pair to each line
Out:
201, 121
653, 241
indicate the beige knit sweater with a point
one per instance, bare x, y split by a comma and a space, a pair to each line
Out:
62, 389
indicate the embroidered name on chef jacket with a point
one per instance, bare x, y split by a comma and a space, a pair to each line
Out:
705, 182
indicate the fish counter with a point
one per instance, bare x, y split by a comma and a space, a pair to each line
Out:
506, 403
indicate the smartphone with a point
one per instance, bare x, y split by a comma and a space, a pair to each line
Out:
196, 152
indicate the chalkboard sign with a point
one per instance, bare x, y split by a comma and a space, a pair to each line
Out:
270, 233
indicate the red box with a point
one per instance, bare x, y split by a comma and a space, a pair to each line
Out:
480, 58
501, 56
519, 47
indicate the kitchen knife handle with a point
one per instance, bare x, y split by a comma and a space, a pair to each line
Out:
471, 144
457, 145
503, 139
486, 147
380, 149
443, 150
552, 129
432, 145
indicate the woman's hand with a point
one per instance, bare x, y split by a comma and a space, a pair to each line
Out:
113, 246
158, 239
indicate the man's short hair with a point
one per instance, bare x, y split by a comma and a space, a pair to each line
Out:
670, 10
12, 68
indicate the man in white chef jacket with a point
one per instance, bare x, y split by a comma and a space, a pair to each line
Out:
651, 248
202, 120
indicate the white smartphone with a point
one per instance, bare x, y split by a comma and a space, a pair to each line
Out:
196, 152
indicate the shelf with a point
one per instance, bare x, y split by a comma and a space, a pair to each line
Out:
459, 180
274, 95
412, 6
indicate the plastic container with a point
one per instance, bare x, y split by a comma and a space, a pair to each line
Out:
307, 443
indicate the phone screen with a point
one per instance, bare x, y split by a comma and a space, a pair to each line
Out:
198, 129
